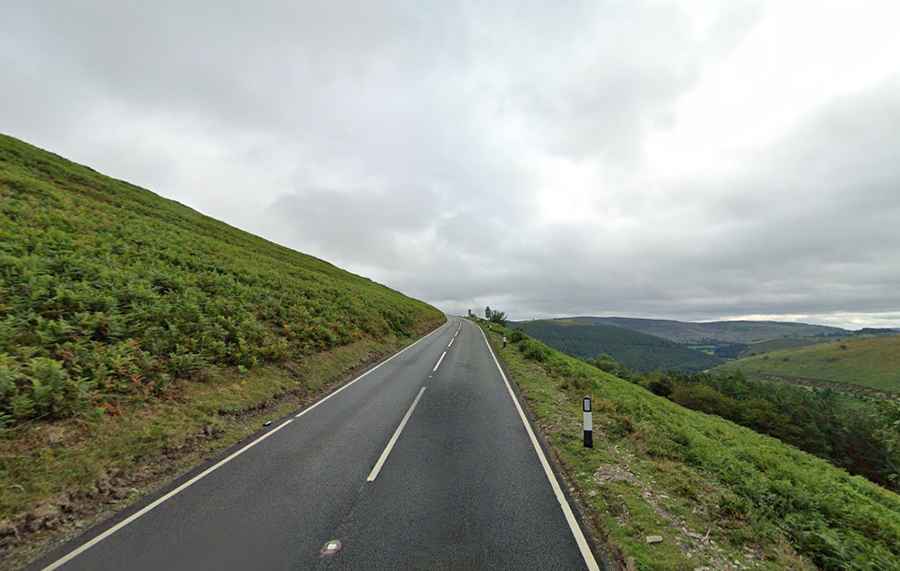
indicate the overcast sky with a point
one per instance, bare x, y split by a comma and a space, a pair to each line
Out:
692, 160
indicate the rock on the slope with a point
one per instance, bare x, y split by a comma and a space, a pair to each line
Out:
43, 517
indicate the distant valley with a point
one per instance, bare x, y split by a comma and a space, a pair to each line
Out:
636, 350
645, 345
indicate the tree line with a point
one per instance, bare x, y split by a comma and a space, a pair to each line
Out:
861, 435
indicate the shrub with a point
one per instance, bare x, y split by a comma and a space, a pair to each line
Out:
52, 393
498, 317
185, 364
532, 350
704, 398
662, 386
608, 363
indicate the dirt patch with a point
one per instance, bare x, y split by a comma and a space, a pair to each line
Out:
62, 517
613, 473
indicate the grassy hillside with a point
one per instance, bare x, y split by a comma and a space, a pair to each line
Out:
859, 434
872, 362
780, 344
109, 291
721, 496
717, 331
637, 351
132, 327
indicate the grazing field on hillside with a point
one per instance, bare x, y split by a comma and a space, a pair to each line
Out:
635, 350
715, 492
872, 362
781, 344
137, 334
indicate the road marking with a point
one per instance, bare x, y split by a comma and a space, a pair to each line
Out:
146, 509
390, 445
580, 540
438, 364
451, 342
373, 369
84, 547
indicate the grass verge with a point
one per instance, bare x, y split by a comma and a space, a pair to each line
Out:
57, 479
719, 495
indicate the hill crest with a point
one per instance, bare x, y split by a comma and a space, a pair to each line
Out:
685, 332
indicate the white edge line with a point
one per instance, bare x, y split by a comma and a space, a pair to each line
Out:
143, 511
85, 546
438, 364
390, 445
580, 540
372, 370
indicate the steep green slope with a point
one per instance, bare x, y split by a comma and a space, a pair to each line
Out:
137, 336
715, 331
872, 362
716, 493
109, 290
637, 351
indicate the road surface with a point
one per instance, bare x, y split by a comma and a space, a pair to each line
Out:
424, 462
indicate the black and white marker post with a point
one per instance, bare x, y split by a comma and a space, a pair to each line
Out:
588, 423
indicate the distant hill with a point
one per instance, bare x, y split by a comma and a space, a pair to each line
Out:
872, 362
633, 349
876, 331
716, 332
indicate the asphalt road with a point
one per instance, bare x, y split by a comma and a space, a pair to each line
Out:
411, 466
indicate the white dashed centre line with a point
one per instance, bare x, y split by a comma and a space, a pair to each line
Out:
390, 445
438, 364
87, 545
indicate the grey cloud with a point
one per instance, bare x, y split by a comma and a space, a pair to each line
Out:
410, 144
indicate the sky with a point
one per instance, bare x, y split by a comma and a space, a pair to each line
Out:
695, 160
